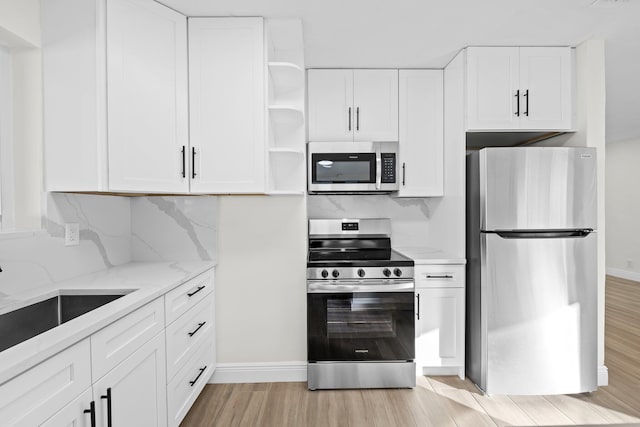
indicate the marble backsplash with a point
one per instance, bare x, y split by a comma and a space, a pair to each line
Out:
113, 230
415, 222
174, 228
32, 259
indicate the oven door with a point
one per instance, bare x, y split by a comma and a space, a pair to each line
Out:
360, 326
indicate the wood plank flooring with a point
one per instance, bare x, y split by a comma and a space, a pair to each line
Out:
445, 401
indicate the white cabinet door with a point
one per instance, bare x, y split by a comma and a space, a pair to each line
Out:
492, 88
227, 106
440, 328
421, 110
37, 394
331, 113
375, 101
135, 391
546, 87
74, 413
146, 96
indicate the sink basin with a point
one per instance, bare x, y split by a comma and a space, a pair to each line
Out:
26, 322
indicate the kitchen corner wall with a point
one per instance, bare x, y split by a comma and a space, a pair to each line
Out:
35, 258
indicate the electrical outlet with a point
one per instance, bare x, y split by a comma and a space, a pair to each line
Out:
71, 234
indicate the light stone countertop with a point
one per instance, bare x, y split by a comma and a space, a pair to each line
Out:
425, 255
146, 281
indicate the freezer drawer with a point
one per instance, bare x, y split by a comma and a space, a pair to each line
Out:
537, 188
539, 314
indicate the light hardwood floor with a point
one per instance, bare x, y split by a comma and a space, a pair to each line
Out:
445, 401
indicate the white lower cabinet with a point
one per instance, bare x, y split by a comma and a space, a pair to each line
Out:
440, 320
39, 393
185, 387
145, 369
78, 413
134, 392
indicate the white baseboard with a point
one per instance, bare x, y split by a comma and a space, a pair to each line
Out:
603, 376
267, 372
624, 274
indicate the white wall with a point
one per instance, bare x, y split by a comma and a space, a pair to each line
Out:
261, 280
590, 132
20, 30
623, 209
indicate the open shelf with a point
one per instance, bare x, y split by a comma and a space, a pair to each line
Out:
286, 75
286, 150
286, 114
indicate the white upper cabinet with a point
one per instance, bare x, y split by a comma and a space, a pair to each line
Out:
146, 96
519, 88
115, 96
421, 144
353, 105
227, 106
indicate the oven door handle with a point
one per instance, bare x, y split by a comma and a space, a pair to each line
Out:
324, 287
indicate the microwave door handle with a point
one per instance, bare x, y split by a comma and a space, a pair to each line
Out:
378, 170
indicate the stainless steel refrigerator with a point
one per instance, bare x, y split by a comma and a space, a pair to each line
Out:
531, 278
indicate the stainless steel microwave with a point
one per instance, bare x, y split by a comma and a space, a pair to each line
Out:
352, 167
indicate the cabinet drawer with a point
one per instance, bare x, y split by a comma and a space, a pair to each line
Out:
116, 342
185, 387
440, 276
40, 392
187, 295
185, 334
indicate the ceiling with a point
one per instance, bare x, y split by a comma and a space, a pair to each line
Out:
428, 33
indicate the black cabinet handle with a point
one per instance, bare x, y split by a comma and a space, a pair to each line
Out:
92, 411
403, 174
442, 276
108, 397
357, 118
190, 294
193, 162
200, 325
526, 95
184, 161
418, 301
192, 383
349, 119
517, 95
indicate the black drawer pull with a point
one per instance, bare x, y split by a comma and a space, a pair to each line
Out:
442, 276
192, 383
200, 325
190, 294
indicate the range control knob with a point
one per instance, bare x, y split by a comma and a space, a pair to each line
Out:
361, 272
386, 272
335, 273
324, 274
397, 272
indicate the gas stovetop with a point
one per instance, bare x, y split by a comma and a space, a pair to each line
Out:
354, 249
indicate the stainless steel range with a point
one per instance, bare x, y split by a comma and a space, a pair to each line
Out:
360, 307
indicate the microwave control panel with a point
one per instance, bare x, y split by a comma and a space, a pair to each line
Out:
388, 168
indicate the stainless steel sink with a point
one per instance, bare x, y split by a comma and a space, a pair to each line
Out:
26, 322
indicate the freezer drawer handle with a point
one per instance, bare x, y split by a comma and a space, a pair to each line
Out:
418, 308
544, 234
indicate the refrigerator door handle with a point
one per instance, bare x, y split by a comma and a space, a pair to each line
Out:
580, 233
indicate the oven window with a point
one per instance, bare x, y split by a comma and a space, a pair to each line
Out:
344, 168
360, 326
